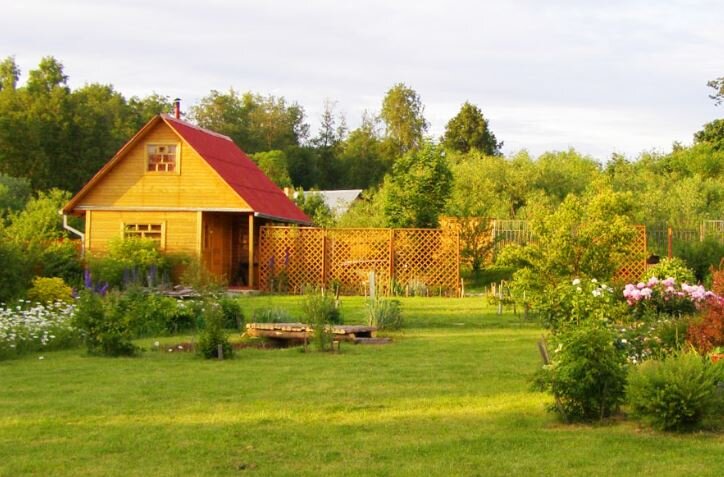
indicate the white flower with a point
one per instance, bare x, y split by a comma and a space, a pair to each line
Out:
156, 344
41, 357
577, 281
593, 280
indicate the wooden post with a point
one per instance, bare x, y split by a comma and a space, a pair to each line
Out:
392, 261
458, 253
324, 259
670, 236
500, 299
220, 352
250, 281
373, 291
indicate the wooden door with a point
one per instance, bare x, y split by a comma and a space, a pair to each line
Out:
217, 244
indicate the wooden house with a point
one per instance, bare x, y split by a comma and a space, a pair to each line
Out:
192, 190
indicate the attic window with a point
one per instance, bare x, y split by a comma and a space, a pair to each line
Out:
161, 157
145, 231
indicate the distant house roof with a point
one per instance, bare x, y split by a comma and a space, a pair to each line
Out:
338, 201
229, 162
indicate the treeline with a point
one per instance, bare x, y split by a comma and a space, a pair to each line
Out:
55, 137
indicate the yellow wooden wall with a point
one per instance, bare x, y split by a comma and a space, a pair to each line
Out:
181, 234
129, 185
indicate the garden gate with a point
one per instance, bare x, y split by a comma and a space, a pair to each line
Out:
406, 261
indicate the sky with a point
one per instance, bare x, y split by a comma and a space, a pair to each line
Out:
602, 77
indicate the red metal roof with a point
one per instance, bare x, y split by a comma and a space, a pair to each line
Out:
240, 172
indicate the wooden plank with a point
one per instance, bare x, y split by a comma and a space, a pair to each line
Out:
250, 278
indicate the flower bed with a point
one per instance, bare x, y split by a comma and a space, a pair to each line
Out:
31, 327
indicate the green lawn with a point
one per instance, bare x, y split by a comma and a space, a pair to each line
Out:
449, 397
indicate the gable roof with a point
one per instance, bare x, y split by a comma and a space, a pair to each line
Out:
229, 162
338, 201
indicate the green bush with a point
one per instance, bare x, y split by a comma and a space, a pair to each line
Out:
321, 311
671, 267
15, 272
212, 335
130, 262
677, 393
701, 256
577, 301
105, 323
587, 374
233, 315
384, 314
45, 290
62, 259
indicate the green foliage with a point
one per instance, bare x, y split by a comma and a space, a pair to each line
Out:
576, 302
233, 314
587, 374
15, 271
212, 335
362, 156
105, 323
701, 256
61, 259
367, 211
255, 122
402, 113
200, 279
272, 315
418, 189
39, 222
46, 290
384, 313
469, 130
14, 194
131, 261
321, 311
677, 393
671, 267
274, 165
584, 237
315, 207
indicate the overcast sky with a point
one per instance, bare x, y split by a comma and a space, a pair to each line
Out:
599, 76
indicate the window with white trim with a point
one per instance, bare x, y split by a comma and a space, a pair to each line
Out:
146, 231
161, 158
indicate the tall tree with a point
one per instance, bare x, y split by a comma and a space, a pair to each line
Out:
9, 73
332, 130
402, 113
362, 156
274, 165
256, 123
418, 188
469, 130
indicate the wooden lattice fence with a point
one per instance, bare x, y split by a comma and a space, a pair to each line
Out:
635, 267
404, 260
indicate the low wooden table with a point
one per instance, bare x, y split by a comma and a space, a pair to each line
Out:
301, 332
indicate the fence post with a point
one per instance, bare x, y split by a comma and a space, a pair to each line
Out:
670, 238
392, 261
324, 259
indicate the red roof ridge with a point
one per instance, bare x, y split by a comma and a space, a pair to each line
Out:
168, 117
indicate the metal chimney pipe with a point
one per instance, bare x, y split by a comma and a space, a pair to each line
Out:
177, 108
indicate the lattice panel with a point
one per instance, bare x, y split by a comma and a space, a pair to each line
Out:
635, 267
290, 258
353, 253
293, 257
427, 259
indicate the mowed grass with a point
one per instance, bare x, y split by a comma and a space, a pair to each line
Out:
450, 396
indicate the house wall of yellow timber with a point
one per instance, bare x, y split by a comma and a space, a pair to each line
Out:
194, 186
181, 229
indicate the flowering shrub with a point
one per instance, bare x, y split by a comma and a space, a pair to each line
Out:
707, 332
671, 267
664, 296
661, 316
31, 327
578, 301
